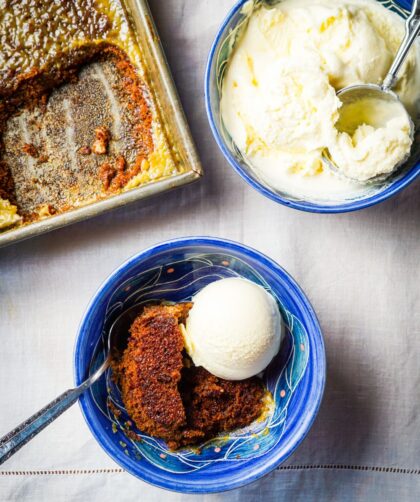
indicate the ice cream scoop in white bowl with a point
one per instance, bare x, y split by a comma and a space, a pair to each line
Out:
234, 329
375, 131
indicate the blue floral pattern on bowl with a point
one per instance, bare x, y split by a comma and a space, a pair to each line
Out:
174, 272
177, 282
371, 194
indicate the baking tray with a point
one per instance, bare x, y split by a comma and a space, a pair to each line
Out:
161, 85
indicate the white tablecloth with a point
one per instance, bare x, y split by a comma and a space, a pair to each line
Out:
361, 272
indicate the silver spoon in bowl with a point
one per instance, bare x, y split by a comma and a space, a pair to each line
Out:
356, 93
23, 433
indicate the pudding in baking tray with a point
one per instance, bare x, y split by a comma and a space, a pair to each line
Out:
78, 118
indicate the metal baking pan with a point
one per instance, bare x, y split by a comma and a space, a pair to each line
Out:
156, 74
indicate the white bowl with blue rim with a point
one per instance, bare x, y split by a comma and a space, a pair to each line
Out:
368, 196
175, 271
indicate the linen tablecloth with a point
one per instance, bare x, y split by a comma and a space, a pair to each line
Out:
361, 272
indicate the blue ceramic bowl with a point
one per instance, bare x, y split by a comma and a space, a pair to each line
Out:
216, 66
175, 271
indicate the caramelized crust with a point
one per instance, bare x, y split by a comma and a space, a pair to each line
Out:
7, 185
150, 371
215, 405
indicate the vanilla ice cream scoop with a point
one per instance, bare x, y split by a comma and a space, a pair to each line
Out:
375, 134
234, 329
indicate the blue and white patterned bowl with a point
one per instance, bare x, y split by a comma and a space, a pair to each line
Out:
175, 271
216, 66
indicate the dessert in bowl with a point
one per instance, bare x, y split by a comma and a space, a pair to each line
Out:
278, 405
271, 94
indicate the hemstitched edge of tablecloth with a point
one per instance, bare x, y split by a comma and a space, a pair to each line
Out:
72, 472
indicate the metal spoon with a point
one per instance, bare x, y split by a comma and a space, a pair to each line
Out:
349, 95
117, 341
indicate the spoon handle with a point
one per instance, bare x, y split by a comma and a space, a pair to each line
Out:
412, 29
23, 433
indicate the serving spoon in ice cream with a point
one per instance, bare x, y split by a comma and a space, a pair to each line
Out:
370, 104
23, 433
